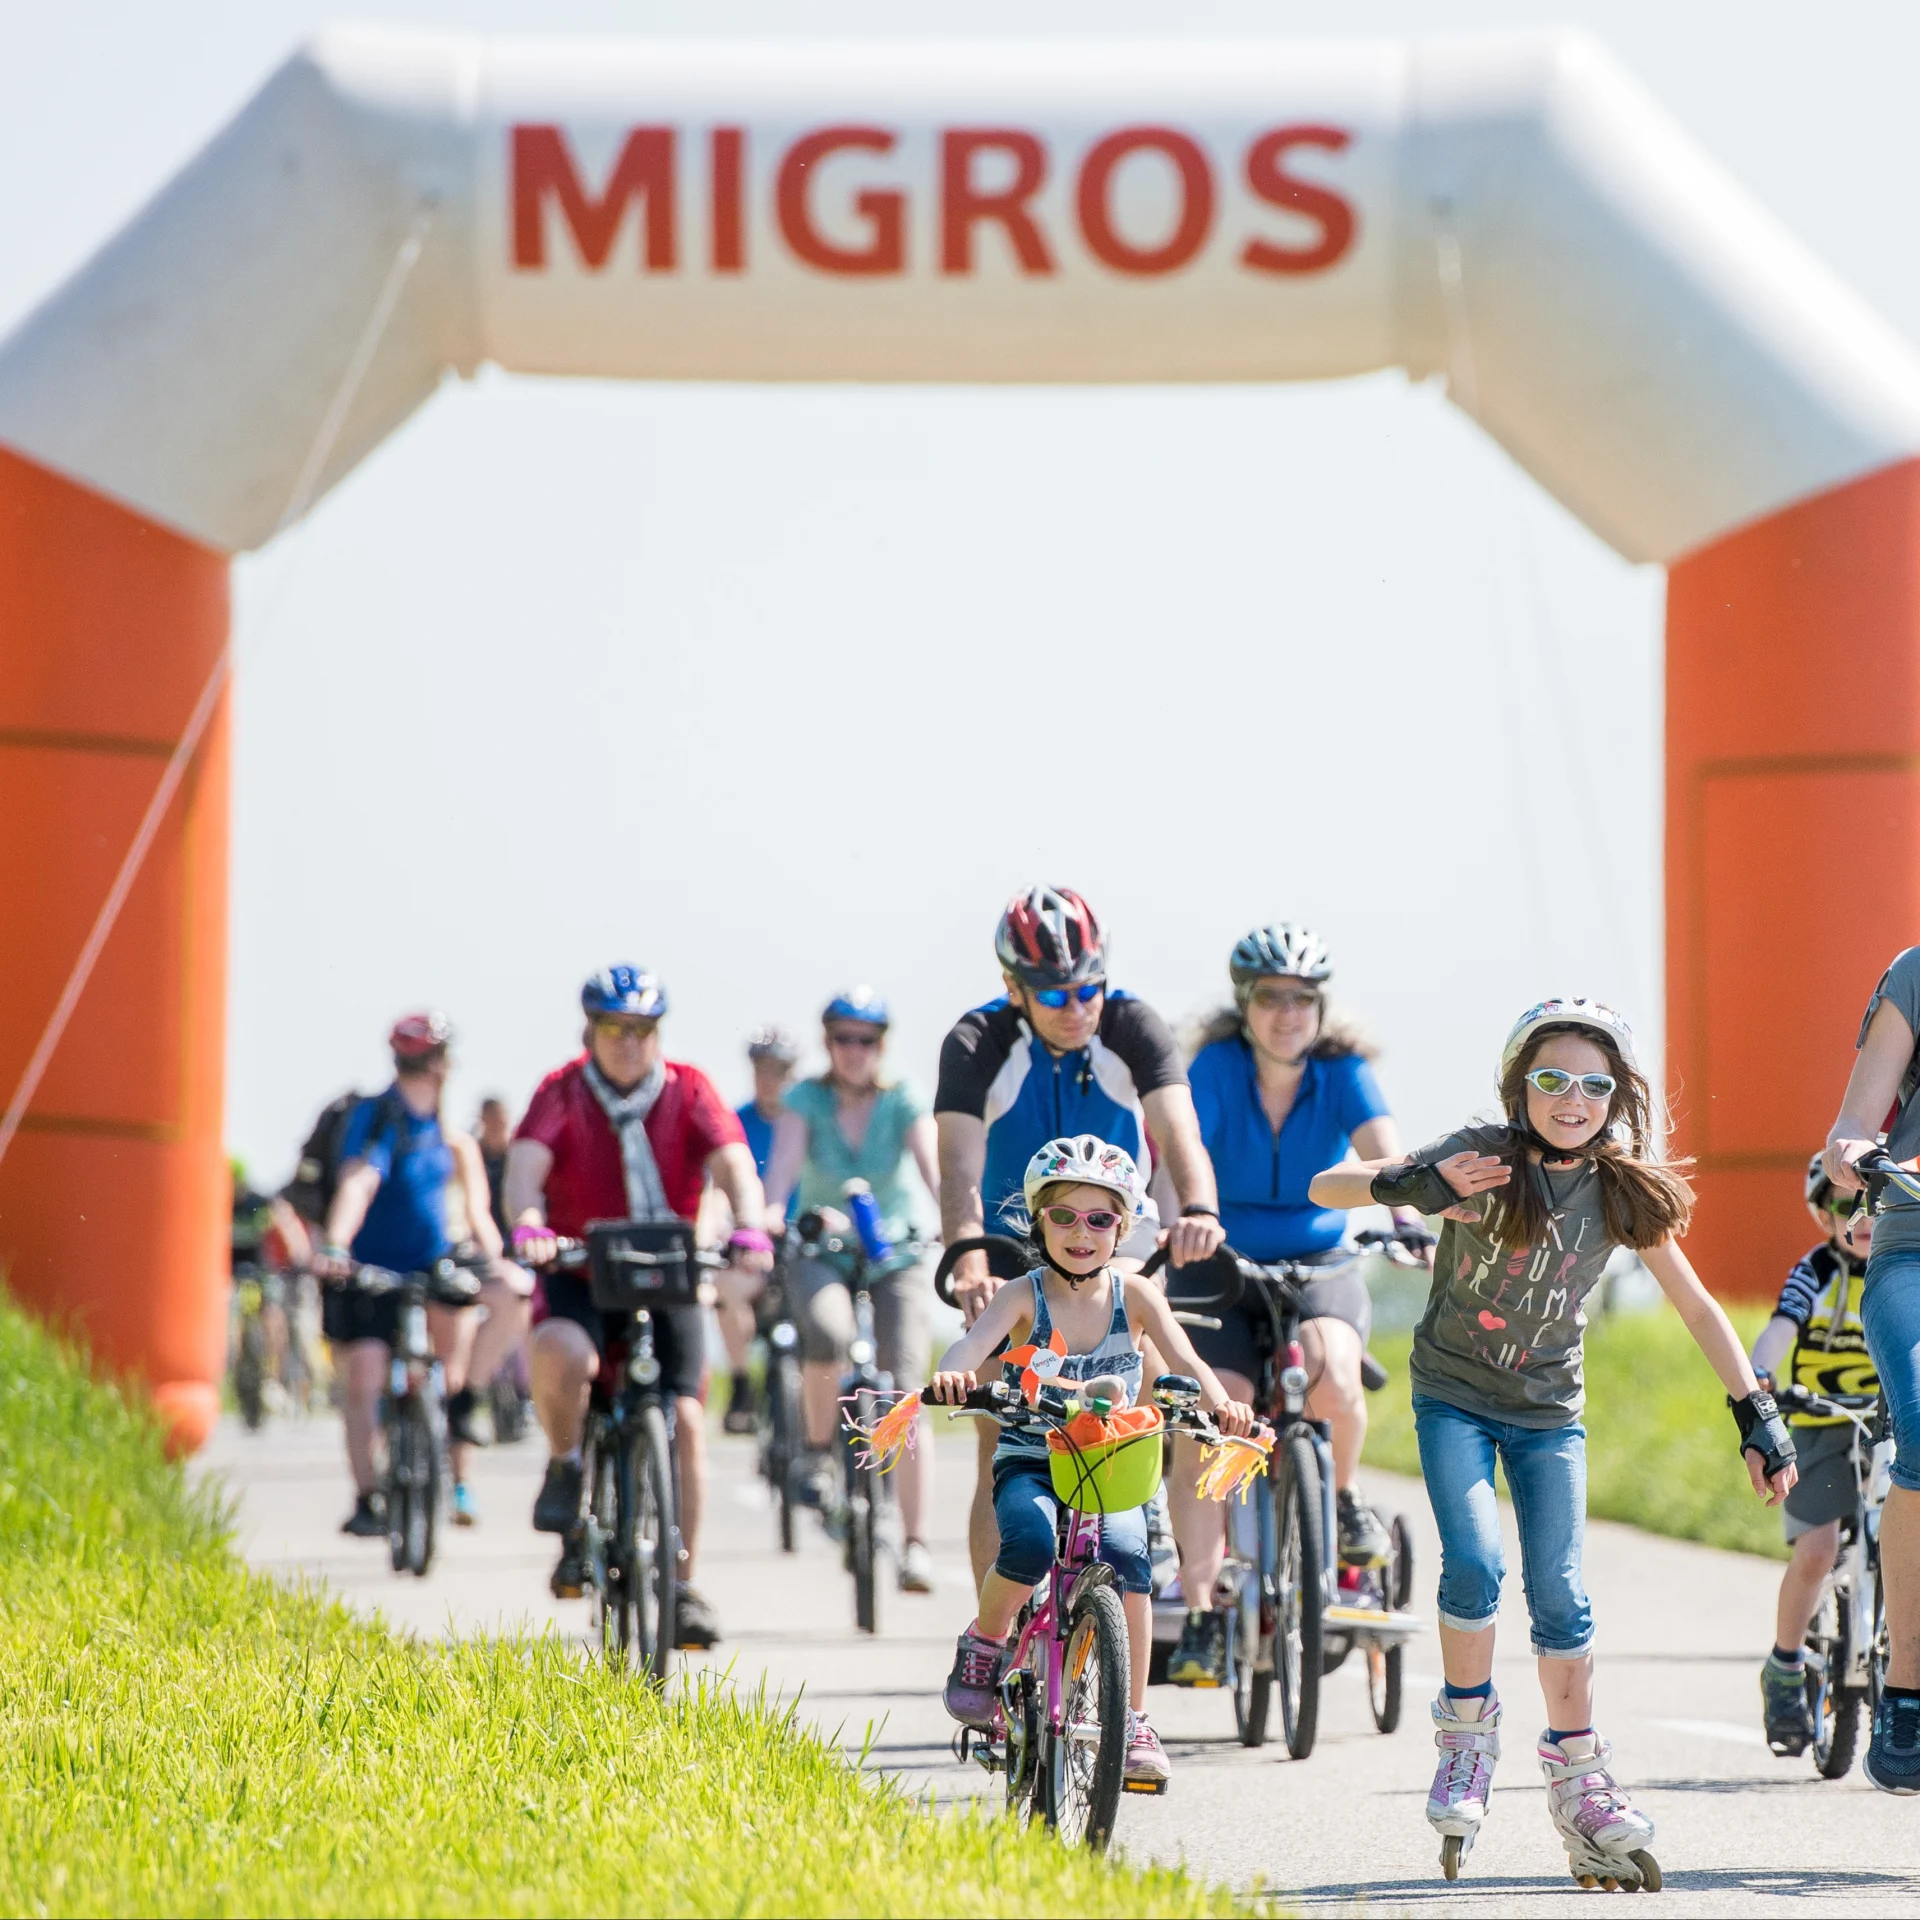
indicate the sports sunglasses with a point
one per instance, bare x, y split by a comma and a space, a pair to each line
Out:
1057, 997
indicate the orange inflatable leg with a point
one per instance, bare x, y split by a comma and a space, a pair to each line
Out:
1793, 844
113, 1196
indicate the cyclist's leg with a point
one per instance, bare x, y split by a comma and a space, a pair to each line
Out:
1123, 1546
823, 1313
983, 1530
452, 1331
1810, 1562
564, 1362
1332, 1348
1200, 1526
738, 1289
1026, 1514
365, 1374
503, 1293
903, 1334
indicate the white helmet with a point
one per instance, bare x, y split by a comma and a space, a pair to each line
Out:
1087, 1161
1285, 948
1594, 1014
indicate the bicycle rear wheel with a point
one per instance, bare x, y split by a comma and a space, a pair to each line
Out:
250, 1372
1299, 1592
1084, 1763
656, 1543
862, 1533
786, 1450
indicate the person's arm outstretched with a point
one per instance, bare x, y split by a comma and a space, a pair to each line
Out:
1713, 1334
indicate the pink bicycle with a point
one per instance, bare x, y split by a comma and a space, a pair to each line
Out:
1060, 1735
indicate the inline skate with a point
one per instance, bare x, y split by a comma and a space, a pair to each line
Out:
1467, 1732
1605, 1838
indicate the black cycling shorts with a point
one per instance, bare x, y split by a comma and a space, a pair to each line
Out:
679, 1333
1342, 1295
349, 1313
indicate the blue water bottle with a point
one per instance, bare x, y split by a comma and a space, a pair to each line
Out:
866, 1220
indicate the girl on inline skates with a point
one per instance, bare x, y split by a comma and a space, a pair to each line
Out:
1083, 1196
1533, 1208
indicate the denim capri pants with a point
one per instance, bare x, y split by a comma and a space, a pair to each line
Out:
1890, 1314
1026, 1510
1546, 1471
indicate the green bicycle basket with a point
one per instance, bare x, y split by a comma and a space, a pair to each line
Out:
1110, 1465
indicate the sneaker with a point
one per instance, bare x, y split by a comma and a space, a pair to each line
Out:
569, 1579
1783, 1707
916, 1568
1893, 1754
368, 1520
1200, 1660
1146, 1759
695, 1624
740, 1416
558, 1508
973, 1687
465, 1513
1364, 1542
470, 1418
819, 1480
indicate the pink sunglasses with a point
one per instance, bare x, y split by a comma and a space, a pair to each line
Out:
1100, 1219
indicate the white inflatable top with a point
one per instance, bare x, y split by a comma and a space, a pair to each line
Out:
1512, 212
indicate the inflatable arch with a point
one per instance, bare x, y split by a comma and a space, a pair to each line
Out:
1511, 213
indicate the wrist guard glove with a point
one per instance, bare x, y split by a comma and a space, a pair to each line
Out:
1762, 1431
1415, 1239
1415, 1186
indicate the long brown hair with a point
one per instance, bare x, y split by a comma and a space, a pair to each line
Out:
1645, 1197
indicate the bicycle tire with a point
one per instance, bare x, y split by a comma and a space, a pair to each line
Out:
1835, 1707
1253, 1688
862, 1543
656, 1543
1299, 1593
250, 1372
424, 1511
1384, 1684
399, 1484
1081, 1779
612, 1514
786, 1451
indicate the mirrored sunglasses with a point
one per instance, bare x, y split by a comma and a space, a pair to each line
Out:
1554, 1081
1057, 997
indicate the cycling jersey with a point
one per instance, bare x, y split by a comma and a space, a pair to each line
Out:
1262, 1174
587, 1180
406, 1226
883, 1160
1822, 1298
994, 1067
759, 1131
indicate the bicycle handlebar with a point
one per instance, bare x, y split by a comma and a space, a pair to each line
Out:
1006, 1260
998, 1401
446, 1283
1880, 1170
570, 1255
1846, 1406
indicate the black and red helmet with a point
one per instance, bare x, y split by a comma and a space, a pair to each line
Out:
1050, 937
417, 1036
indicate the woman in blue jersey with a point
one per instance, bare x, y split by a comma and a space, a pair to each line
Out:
1282, 1087
771, 1051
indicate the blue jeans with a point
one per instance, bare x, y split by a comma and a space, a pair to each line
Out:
1547, 1475
1026, 1512
1890, 1313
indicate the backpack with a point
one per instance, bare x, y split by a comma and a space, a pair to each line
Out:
310, 1192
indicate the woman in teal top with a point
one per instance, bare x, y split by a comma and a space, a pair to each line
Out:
852, 1124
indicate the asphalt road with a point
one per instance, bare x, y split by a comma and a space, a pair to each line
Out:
1682, 1631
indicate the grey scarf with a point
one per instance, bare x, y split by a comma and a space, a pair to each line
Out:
627, 1115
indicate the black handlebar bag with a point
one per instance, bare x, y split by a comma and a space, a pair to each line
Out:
636, 1266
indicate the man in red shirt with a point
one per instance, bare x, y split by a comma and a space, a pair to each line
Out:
621, 1134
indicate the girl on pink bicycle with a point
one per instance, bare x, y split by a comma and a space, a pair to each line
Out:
1074, 1318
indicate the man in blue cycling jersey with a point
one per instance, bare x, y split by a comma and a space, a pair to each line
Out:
771, 1052
410, 1193
1058, 1054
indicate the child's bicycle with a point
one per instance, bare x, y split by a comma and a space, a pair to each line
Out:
1060, 1735
1847, 1641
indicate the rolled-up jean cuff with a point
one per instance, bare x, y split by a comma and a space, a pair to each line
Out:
1459, 1625
1563, 1653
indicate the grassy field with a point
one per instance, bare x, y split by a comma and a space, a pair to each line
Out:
185, 1737
1660, 1442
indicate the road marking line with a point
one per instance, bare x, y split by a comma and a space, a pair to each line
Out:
1727, 1730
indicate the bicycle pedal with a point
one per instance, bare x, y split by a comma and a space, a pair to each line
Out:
1145, 1786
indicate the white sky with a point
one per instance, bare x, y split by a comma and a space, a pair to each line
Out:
727, 680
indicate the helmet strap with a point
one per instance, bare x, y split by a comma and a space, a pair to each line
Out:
1066, 1273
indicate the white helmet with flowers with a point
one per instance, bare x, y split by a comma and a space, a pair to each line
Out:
1595, 1015
1086, 1161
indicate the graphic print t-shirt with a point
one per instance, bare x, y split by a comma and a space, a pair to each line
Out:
1502, 1332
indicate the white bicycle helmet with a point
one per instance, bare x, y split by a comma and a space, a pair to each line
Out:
1594, 1014
1087, 1161
1285, 948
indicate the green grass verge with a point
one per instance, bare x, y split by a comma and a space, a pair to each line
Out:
1660, 1442
185, 1737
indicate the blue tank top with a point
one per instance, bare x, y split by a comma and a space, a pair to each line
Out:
406, 1226
1116, 1354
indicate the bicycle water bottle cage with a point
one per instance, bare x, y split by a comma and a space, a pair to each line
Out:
1177, 1391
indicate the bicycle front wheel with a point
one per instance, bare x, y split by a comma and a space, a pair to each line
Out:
424, 1510
1834, 1705
786, 1451
1299, 1592
655, 1553
862, 1543
612, 1523
250, 1372
1085, 1762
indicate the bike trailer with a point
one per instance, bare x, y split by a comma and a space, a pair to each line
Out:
640, 1266
1107, 1465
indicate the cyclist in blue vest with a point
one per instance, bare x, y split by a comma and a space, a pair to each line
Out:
771, 1052
1283, 1088
1058, 1054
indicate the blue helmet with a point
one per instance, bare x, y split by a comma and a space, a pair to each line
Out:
624, 990
858, 1003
